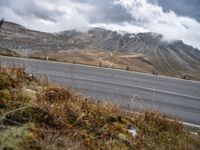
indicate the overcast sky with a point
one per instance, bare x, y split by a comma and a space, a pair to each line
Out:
175, 19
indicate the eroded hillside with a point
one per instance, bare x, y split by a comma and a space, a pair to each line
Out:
156, 55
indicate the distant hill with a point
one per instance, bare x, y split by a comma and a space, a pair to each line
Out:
166, 58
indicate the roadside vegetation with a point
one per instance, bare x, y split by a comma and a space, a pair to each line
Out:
38, 115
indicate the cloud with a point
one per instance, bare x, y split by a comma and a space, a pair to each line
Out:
46, 15
182, 7
126, 15
121, 28
150, 17
106, 12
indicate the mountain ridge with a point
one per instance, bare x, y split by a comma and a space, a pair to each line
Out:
166, 57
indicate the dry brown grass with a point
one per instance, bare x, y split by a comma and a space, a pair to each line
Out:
117, 60
58, 118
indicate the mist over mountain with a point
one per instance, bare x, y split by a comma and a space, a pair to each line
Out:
165, 56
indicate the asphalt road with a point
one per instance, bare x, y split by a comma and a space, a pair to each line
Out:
175, 97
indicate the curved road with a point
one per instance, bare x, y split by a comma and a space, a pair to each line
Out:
175, 97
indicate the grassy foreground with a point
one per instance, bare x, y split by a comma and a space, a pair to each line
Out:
34, 115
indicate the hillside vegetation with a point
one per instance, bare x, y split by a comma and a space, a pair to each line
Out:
101, 58
38, 115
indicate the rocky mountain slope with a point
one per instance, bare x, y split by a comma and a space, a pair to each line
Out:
166, 58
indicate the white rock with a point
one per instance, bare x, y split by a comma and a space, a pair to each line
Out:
133, 132
194, 133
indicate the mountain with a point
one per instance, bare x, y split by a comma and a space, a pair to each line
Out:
167, 58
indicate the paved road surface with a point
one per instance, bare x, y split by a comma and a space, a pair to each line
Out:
175, 97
